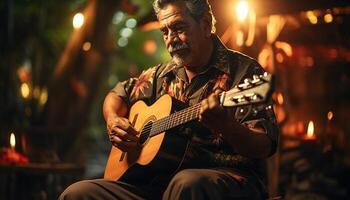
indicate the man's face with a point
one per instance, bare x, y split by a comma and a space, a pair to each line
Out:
185, 38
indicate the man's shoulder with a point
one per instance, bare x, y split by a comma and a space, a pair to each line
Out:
241, 58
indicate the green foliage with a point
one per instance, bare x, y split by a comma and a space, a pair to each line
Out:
33, 35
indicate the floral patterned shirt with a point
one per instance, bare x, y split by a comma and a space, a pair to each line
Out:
225, 70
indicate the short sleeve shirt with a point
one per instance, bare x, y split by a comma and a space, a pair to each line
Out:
225, 70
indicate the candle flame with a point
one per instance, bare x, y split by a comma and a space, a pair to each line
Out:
310, 129
12, 140
330, 115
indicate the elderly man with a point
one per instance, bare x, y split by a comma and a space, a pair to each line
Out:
226, 148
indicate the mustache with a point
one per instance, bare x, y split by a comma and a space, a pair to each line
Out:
177, 46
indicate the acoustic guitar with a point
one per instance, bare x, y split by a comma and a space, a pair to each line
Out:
161, 148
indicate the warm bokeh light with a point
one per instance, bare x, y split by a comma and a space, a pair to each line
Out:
310, 129
280, 99
36, 92
78, 20
264, 58
25, 90
312, 17
239, 38
251, 31
12, 141
286, 47
242, 10
310, 61
24, 73
86, 46
328, 18
43, 97
279, 58
330, 115
150, 47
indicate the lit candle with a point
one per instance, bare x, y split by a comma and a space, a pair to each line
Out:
310, 135
13, 141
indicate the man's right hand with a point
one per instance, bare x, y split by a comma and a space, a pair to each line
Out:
121, 133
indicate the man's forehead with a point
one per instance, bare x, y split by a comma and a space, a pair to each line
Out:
167, 15
172, 10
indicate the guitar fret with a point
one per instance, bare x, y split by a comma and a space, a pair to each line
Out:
175, 119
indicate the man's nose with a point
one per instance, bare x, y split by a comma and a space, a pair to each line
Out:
173, 37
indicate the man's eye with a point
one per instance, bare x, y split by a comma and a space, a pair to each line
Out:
180, 30
164, 32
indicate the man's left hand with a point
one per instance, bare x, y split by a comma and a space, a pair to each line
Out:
213, 115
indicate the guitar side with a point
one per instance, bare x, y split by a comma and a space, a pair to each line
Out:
118, 162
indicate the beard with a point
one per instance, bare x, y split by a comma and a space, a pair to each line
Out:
179, 60
180, 53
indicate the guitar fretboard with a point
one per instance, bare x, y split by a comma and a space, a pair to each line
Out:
175, 119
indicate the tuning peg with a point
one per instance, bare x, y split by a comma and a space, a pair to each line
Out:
255, 80
244, 85
252, 96
238, 99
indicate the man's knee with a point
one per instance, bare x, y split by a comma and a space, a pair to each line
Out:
190, 178
78, 190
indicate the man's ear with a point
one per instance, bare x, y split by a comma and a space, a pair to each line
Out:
206, 24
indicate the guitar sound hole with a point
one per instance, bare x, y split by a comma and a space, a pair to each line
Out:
145, 133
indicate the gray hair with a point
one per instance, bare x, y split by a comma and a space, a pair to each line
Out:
197, 9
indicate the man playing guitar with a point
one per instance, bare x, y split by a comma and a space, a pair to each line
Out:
223, 151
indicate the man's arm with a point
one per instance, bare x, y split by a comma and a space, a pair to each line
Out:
120, 131
114, 105
249, 142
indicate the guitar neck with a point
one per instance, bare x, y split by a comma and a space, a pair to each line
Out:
252, 91
176, 119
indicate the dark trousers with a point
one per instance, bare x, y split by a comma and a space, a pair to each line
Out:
196, 184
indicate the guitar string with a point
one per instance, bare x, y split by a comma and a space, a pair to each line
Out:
177, 119
179, 116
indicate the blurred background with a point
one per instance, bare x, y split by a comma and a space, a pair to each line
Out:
58, 60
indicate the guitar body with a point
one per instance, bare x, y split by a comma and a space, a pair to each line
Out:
160, 154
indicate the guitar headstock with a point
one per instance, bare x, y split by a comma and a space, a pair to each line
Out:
252, 91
